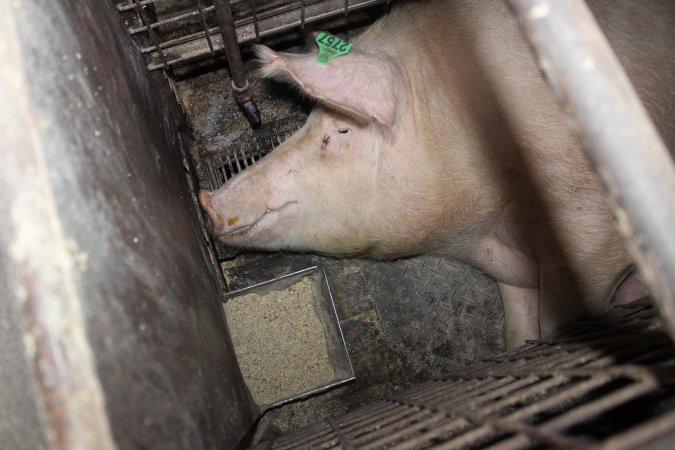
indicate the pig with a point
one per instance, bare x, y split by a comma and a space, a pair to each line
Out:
436, 134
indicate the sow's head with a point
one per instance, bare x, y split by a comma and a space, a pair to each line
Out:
340, 184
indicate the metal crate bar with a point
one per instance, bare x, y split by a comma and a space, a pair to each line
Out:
372, 426
217, 167
151, 33
318, 433
403, 429
341, 438
129, 4
619, 138
255, 25
200, 12
631, 439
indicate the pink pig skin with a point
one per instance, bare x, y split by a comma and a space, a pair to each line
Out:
437, 135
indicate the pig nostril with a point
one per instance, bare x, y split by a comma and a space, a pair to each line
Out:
343, 130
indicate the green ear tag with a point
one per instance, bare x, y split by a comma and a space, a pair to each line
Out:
330, 47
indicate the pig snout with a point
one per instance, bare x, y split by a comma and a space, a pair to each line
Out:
223, 221
236, 219
216, 222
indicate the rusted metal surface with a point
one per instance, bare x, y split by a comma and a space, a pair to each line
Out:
50, 396
633, 163
142, 15
117, 333
252, 21
240, 84
581, 389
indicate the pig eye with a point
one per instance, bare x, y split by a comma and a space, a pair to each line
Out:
343, 130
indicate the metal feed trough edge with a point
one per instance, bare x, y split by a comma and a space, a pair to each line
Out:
336, 344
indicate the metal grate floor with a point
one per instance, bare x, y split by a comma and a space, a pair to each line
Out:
219, 167
604, 384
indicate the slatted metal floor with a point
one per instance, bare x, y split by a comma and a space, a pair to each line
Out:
602, 384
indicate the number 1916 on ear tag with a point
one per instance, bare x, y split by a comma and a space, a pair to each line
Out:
330, 47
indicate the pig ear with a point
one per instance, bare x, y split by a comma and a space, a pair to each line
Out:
358, 83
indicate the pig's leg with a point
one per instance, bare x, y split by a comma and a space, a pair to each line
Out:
521, 313
566, 297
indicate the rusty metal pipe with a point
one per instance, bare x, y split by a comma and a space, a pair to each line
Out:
240, 84
620, 140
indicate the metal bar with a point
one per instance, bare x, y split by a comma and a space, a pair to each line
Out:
342, 439
309, 439
320, 429
393, 427
189, 38
204, 26
455, 428
545, 358
581, 413
226, 22
596, 407
240, 84
235, 159
647, 432
446, 400
542, 356
221, 171
633, 372
455, 440
386, 414
206, 161
318, 439
620, 140
151, 33
482, 415
131, 5
528, 433
356, 422
228, 163
254, 15
169, 20
196, 47
213, 173
243, 158
398, 431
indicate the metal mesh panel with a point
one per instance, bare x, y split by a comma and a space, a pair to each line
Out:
173, 32
606, 383
216, 168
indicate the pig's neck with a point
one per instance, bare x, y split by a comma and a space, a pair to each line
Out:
502, 257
